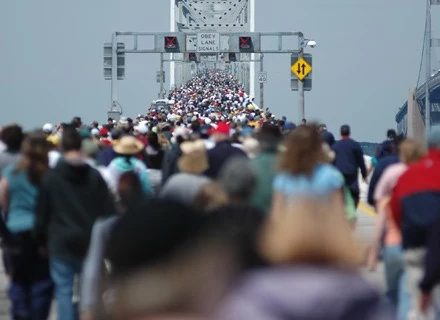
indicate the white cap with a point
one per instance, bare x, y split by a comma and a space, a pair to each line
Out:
142, 129
94, 132
48, 128
180, 131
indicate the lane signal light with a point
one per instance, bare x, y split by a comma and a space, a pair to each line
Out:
245, 44
171, 44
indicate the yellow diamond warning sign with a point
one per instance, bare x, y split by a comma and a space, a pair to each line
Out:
301, 68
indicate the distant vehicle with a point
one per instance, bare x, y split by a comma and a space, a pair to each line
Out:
162, 105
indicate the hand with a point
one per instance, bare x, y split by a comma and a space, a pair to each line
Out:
425, 301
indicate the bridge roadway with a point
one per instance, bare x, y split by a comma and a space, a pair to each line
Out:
364, 232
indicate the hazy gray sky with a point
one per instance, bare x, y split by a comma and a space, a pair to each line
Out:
367, 58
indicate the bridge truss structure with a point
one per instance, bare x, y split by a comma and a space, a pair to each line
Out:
223, 16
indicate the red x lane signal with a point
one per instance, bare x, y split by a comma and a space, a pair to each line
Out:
245, 43
171, 43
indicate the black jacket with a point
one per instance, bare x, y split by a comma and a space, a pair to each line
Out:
349, 157
219, 155
72, 197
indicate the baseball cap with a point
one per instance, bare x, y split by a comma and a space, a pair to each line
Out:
48, 127
223, 128
142, 129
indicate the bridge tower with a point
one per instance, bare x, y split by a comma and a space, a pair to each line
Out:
212, 16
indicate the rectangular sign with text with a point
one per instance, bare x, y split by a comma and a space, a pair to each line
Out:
208, 42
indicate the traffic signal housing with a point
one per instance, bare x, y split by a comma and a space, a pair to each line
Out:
173, 42
192, 56
249, 42
232, 57
245, 44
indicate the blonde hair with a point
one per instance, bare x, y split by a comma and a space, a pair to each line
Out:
311, 231
211, 196
410, 151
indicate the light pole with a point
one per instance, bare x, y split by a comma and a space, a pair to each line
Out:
302, 44
261, 82
428, 67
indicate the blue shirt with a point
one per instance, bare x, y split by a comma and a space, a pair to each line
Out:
22, 199
324, 180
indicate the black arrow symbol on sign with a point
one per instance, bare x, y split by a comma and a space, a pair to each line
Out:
299, 68
303, 68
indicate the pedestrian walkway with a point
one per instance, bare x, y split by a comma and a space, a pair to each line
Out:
365, 232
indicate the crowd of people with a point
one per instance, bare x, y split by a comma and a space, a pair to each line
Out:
212, 208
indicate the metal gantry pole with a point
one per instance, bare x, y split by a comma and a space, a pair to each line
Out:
161, 93
301, 102
428, 67
114, 92
261, 82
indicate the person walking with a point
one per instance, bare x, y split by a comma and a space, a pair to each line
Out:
31, 287
304, 172
349, 159
415, 204
223, 150
265, 165
72, 197
386, 229
127, 149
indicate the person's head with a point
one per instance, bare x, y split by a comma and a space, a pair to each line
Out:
128, 146
89, 148
153, 140
210, 197
194, 158
322, 127
116, 135
35, 160
166, 227
269, 137
140, 130
12, 136
222, 132
303, 121
71, 139
391, 134
310, 231
345, 130
130, 190
303, 151
76, 122
48, 128
434, 139
238, 179
410, 151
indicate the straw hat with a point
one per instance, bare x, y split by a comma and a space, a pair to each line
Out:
194, 158
128, 145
